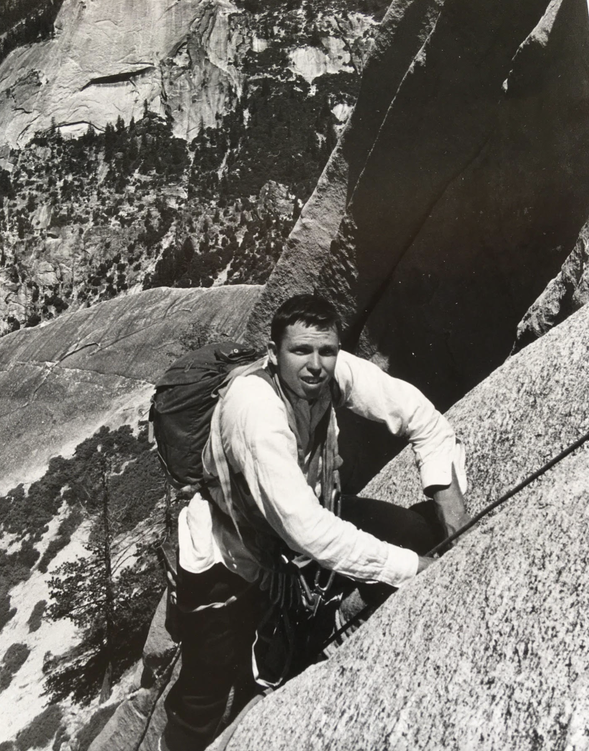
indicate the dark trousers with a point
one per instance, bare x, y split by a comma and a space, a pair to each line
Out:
216, 679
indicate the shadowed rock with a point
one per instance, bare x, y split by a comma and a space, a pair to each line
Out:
60, 382
402, 32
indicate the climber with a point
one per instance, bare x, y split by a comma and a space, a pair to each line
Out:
269, 550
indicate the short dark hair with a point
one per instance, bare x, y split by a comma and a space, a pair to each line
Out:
311, 310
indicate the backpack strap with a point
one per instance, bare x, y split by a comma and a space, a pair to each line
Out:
256, 367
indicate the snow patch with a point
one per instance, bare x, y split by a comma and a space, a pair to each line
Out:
342, 111
24, 699
259, 45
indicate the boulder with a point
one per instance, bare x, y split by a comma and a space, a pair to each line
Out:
487, 649
61, 381
456, 189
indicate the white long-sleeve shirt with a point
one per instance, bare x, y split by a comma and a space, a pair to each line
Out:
259, 444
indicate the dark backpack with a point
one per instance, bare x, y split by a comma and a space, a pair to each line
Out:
183, 404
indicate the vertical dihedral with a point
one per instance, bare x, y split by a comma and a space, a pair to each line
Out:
400, 36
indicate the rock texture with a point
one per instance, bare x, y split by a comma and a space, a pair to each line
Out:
60, 382
488, 648
455, 191
565, 294
137, 720
185, 59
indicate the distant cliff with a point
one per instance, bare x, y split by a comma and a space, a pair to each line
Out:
166, 144
185, 59
97, 366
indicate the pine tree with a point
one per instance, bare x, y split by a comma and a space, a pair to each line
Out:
101, 595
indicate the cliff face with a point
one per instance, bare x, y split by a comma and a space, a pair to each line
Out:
106, 59
187, 116
456, 191
60, 382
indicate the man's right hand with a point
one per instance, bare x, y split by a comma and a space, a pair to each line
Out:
423, 563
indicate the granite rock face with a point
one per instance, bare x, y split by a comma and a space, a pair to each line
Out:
456, 191
488, 648
186, 60
138, 720
107, 58
60, 382
564, 294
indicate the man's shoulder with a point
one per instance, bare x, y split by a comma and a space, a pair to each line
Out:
348, 364
251, 410
346, 358
358, 378
249, 394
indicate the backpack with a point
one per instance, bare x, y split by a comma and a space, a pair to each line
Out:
183, 403
180, 418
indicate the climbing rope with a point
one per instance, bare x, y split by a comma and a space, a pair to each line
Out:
524, 483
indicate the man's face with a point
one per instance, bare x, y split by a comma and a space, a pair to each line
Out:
305, 359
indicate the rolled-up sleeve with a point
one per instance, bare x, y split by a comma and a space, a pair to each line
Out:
371, 393
260, 445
